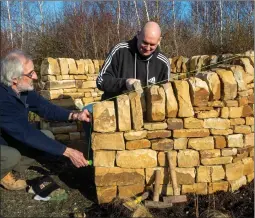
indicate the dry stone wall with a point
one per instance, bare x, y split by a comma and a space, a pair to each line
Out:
205, 121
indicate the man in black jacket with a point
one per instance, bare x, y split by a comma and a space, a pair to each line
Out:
17, 135
137, 59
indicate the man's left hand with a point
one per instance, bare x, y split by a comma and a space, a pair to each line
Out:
81, 116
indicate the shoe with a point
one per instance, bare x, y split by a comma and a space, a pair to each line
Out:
11, 183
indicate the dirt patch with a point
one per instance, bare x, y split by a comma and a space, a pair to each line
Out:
80, 188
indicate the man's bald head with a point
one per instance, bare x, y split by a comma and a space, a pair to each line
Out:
148, 38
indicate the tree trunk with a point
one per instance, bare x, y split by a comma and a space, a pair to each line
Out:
138, 18
174, 24
146, 10
118, 21
10, 22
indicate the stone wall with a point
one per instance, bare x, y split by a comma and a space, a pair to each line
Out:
205, 121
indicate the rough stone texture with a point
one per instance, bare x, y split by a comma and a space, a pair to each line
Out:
52, 94
136, 110
191, 133
188, 158
231, 103
221, 131
141, 158
217, 186
155, 126
64, 84
158, 134
106, 194
198, 188
50, 66
180, 143
242, 101
234, 171
210, 173
174, 123
88, 84
242, 129
216, 160
128, 191
205, 143
171, 102
63, 65
240, 77
185, 176
72, 66
108, 141
123, 113
220, 141
118, 176
135, 135
104, 158
237, 121
162, 144
166, 190
249, 140
213, 83
199, 92
138, 144
80, 66
250, 177
228, 152
229, 84
247, 111
150, 175
183, 97
162, 158
63, 129
225, 112
62, 137
216, 104
91, 67
155, 106
210, 153
235, 112
208, 114
235, 140
216, 123
249, 120
236, 184
248, 165
74, 136
104, 119
207, 108
193, 123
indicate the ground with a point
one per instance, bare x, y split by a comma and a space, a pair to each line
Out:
79, 185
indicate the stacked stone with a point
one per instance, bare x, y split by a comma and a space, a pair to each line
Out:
205, 122
71, 84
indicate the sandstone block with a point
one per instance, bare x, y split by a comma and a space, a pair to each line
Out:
140, 158
150, 175
216, 104
63, 129
155, 126
242, 101
199, 92
96, 65
248, 165
80, 77
106, 194
180, 143
138, 144
158, 134
89, 84
203, 108
52, 94
237, 121
193, 123
72, 66
163, 160
234, 171
166, 190
108, 141
128, 191
247, 111
210, 173
80, 66
221, 131
250, 177
208, 114
191, 133
210, 153
185, 176
106, 176
62, 137
231, 103
174, 123
171, 102
236, 184
64, 77
162, 144
242, 129
136, 110
216, 160
235, 112
183, 97
104, 119
73, 95
103, 158
249, 140
235, 140
74, 136
239, 75
225, 112
63, 65
198, 188
228, 152
135, 135
123, 113
155, 107
249, 120
188, 158
64, 84
49, 66
91, 67
48, 78
218, 186
205, 143
87, 101
216, 123
220, 141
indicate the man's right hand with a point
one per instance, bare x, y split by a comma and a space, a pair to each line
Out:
130, 82
76, 157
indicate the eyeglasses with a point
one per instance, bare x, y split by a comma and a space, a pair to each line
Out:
30, 74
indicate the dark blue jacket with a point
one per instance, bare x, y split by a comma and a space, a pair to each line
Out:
14, 125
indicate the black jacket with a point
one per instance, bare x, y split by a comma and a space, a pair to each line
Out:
124, 61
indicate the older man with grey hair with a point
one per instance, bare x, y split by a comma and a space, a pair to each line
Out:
17, 135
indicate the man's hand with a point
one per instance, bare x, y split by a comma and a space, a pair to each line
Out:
129, 83
76, 157
81, 116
